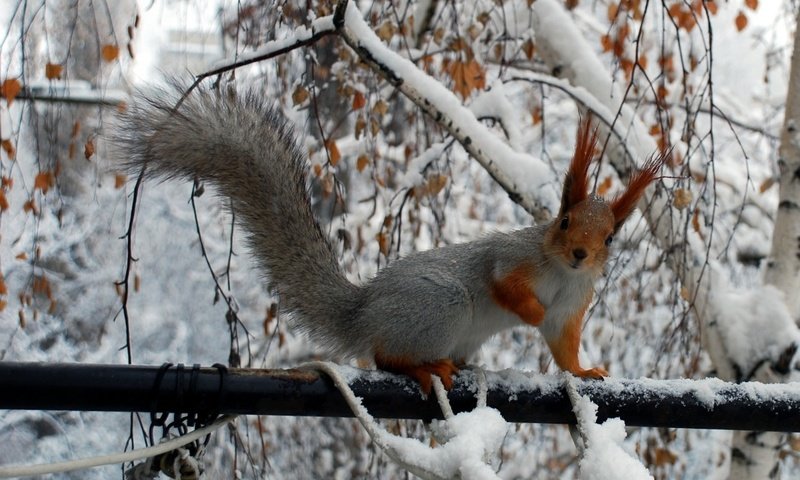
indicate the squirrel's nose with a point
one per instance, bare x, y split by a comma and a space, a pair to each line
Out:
579, 254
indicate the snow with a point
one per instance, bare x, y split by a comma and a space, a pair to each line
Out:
466, 440
526, 173
494, 103
301, 34
757, 322
640, 324
604, 457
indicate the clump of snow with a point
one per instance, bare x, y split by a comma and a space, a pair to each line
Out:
468, 440
471, 439
495, 103
604, 457
753, 323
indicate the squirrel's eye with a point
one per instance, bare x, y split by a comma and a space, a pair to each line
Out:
609, 239
564, 223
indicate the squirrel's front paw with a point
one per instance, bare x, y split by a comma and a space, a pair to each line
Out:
597, 372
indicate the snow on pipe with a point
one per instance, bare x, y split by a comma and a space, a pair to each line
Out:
518, 396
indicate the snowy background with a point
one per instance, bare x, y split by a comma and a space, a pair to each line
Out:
62, 237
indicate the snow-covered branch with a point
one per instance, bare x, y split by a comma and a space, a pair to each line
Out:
520, 174
303, 36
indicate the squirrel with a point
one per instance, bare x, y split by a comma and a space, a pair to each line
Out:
424, 314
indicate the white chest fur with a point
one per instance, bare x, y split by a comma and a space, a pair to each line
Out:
562, 292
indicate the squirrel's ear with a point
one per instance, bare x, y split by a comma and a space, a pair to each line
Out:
622, 206
576, 183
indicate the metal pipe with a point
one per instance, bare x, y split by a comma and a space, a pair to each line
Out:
518, 396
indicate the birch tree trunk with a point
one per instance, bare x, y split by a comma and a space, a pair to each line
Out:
755, 454
783, 269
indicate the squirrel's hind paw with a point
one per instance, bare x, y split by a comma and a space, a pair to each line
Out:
596, 372
443, 368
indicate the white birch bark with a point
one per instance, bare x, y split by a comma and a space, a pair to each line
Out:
783, 269
755, 454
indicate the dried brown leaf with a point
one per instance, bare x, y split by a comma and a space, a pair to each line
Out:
8, 147
299, 95
741, 21
380, 107
436, 184
109, 52
604, 186
529, 48
30, 206
44, 181
696, 221
386, 31
361, 124
361, 162
606, 42
467, 76
53, 71
536, 115
9, 89
88, 149
333, 151
359, 100
683, 198
383, 243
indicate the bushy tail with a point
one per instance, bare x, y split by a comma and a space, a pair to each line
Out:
245, 147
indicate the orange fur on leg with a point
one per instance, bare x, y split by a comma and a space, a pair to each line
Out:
421, 372
565, 349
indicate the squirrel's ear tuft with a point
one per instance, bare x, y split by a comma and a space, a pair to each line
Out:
622, 206
576, 183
